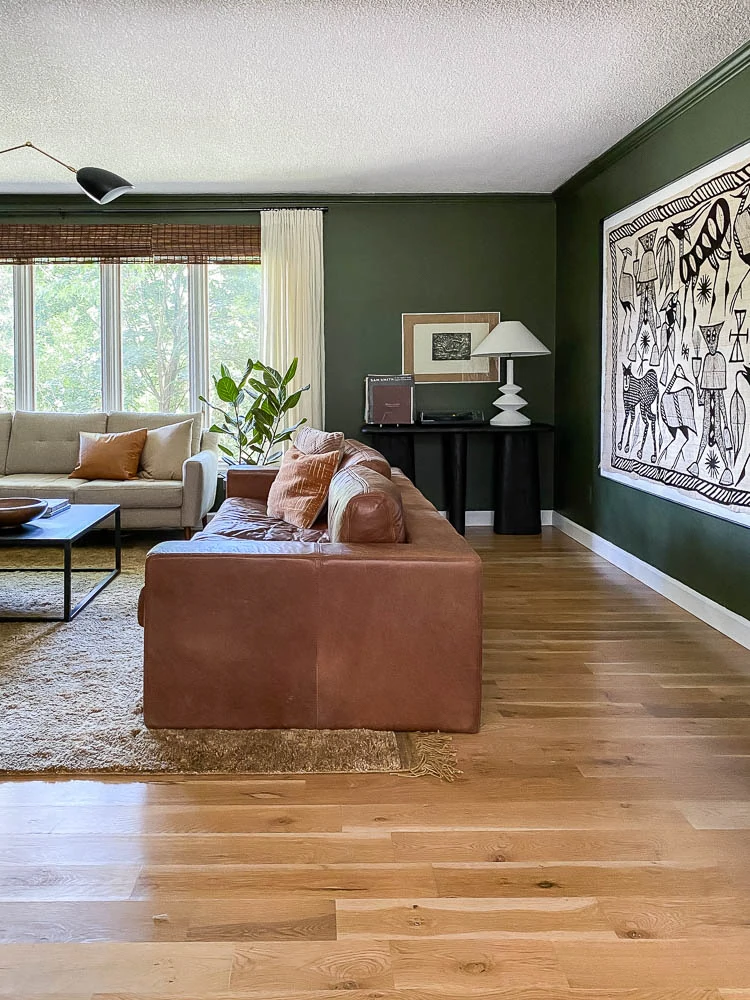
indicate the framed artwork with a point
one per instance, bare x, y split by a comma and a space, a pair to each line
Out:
675, 355
436, 347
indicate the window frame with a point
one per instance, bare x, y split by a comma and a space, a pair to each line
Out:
110, 331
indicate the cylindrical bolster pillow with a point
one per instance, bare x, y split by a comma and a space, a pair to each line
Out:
356, 453
364, 507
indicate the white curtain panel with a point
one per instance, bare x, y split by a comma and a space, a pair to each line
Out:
292, 302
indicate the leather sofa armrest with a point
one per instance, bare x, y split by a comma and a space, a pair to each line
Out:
199, 481
253, 482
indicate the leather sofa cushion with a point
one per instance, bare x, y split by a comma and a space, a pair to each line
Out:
109, 456
239, 517
311, 441
358, 454
48, 442
300, 490
364, 507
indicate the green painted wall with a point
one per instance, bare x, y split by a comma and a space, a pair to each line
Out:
384, 257
706, 553
388, 255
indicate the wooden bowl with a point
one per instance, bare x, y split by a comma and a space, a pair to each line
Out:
18, 510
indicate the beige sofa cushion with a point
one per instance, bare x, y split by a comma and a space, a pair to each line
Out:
166, 450
140, 493
6, 422
50, 486
122, 421
48, 442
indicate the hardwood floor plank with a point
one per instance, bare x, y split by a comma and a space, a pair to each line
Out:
58, 882
341, 965
648, 917
515, 815
475, 965
238, 881
627, 964
472, 918
170, 969
209, 849
261, 919
593, 879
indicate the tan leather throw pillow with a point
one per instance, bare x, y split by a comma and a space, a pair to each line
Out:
165, 450
311, 441
109, 456
300, 490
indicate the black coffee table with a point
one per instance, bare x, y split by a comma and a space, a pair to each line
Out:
63, 530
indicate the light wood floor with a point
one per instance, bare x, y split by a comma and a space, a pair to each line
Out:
597, 842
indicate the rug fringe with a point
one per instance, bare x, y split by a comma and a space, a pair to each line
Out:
433, 754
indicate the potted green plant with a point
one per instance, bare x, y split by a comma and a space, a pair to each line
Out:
256, 406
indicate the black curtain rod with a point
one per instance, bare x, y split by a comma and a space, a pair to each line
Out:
155, 211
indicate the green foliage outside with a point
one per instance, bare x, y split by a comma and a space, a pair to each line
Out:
67, 341
7, 395
154, 323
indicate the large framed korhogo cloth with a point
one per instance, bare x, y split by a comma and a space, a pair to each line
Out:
676, 358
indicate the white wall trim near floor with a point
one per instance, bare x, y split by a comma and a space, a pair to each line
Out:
484, 518
713, 614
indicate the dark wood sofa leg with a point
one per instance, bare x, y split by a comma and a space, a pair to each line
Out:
188, 533
204, 520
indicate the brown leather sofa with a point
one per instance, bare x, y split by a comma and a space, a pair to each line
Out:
257, 624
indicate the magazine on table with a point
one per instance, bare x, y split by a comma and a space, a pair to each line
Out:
56, 507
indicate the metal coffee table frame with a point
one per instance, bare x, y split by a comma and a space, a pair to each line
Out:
48, 537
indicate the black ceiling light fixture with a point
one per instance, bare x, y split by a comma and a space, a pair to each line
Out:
101, 186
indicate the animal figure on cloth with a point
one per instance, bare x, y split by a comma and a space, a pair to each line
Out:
642, 392
677, 409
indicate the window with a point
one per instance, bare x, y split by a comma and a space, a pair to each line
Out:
233, 317
67, 341
154, 310
136, 336
7, 352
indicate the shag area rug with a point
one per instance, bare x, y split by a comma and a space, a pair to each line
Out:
71, 694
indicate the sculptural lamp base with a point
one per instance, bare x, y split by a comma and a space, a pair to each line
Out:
510, 402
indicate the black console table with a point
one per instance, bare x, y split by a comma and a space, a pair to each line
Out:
516, 473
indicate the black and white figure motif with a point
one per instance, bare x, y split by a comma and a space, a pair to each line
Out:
676, 326
451, 347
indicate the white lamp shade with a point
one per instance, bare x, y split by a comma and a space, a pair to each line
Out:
510, 339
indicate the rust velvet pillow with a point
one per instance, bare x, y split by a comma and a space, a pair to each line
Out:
109, 456
300, 490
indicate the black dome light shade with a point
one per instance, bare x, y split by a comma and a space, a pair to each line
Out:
101, 185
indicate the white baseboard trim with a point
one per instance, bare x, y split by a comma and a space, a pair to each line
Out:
484, 518
722, 619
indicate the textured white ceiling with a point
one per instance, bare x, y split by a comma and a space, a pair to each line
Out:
342, 95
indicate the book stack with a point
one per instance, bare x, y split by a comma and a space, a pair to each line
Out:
56, 507
389, 399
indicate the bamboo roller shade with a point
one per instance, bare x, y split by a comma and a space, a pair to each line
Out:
167, 244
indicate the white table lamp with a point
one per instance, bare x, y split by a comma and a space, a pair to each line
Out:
509, 340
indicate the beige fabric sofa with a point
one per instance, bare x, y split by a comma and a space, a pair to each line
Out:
39, 450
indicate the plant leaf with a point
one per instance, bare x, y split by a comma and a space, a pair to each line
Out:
290, 372
227, 390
